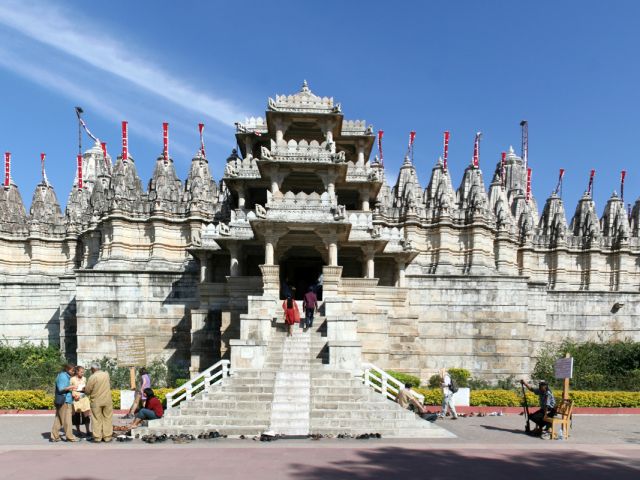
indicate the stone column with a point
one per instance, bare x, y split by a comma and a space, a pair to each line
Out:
364, 198
241, 197
360, 161
268, 252
401, 282
234, 266
333, 253
370, 265
204, 267
275, 179
248, 145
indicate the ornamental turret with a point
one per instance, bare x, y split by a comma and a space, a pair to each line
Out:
553, 222
585, 224
200, 190
615, 223
439, 196
45, 215
165, 188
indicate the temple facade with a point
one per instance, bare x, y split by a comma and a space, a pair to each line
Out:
412, 278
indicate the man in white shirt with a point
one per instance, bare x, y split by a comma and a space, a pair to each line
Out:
447, 396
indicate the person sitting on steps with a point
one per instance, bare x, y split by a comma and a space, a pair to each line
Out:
152, 409
406, 400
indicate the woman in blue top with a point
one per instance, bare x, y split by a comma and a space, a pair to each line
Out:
63, 402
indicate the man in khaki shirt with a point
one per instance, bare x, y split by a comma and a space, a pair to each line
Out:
406, 398
98, 389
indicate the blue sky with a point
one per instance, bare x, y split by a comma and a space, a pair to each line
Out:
570, 68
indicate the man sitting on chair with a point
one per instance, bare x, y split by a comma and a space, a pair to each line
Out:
547, 405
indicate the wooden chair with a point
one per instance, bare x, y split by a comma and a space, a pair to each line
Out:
562, 418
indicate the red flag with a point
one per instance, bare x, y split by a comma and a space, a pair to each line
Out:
79, 172
7, 169
528, 195
125, 141
165, 142
445, 153
623, 174
590, 188
412, 139
503, 168
380, 134
104, 154
201, 130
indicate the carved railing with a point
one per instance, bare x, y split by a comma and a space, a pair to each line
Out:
303, 151
384, 383
213, 375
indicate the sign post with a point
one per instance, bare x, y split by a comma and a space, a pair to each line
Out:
563, 369
131, 353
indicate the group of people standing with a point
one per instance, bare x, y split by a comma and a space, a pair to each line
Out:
81, 401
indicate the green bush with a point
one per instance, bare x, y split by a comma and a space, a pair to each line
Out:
598, 366
405, 378
42, 400
161, 375
460, 376
28, 366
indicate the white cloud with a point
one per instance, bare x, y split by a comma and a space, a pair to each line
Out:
55, 28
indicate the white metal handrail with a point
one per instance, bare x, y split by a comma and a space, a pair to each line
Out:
384, 383
211, 376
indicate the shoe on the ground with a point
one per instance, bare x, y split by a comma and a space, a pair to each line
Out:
454, 418
54, 440
73, 440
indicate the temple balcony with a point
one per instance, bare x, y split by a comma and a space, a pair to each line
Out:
363, 173
301, 207
303, 151
255, 125
356, 128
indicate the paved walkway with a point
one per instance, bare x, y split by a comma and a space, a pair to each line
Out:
487, 447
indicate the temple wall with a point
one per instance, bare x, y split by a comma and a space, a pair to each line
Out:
584, 316
155, 305
29, 310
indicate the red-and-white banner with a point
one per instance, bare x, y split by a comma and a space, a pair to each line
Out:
476, 150
7, 169
380, 135
79, 171
201, 130
165, 142
125, 141
528, 194
445, 153
623, 174
559, 184
503, 168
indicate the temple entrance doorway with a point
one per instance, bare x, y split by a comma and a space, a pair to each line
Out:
300, 268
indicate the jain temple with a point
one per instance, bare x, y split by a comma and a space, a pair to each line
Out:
470, 273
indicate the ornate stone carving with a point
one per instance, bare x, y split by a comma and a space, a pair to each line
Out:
303, 102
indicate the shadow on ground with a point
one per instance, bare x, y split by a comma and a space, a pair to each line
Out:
392, 462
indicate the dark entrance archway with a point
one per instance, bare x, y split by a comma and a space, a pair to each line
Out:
300, 268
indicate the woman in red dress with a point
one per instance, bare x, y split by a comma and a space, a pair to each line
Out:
291, 314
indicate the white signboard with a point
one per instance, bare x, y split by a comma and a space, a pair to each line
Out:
563, 368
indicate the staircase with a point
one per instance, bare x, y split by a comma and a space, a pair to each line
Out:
295, 393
